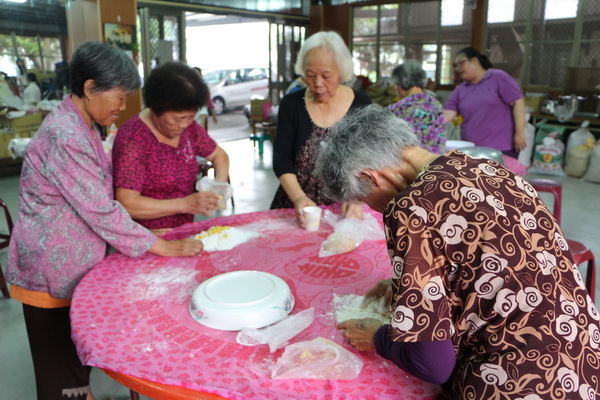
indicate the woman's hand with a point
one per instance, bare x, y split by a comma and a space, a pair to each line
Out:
161, 231
301, 202
355, 210
360, 332
177, 248
382, 289
520, 142
203, 203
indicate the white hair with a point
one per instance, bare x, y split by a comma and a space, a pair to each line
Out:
370, 137
332, 42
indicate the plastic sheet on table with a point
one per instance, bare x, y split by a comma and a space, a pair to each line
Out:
317, 359
278, 334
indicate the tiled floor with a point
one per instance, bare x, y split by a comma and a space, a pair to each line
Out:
254, 184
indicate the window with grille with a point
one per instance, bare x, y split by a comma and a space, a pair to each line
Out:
549, 43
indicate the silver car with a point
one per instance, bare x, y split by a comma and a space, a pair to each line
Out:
231, 88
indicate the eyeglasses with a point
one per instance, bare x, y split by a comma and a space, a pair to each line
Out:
459, 64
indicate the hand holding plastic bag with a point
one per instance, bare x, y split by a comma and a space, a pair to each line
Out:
349, 233
222, 189
317, 359
277, 335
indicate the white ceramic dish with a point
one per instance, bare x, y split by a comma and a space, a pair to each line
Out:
241, 299
458, 144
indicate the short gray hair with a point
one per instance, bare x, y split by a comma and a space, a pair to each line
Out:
334, 43
371, 137
108, 66
409, 74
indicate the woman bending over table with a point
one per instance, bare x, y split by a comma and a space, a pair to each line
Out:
155, 152
305, 118
490, 102
67, 215
485, 296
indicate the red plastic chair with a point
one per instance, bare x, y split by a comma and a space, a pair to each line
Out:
4, 241
581, 252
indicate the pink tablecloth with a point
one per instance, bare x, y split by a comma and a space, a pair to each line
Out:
131, 315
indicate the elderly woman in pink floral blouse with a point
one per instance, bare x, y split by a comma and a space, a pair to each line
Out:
67, 215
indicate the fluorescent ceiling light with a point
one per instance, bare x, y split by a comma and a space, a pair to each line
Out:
16, 1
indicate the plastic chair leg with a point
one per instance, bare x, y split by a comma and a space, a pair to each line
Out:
3, 285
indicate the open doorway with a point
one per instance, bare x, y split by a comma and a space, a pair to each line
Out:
217, 42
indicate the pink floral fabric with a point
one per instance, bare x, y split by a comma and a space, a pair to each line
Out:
145, 304
478, 258
157, 170
426, 115
67, 212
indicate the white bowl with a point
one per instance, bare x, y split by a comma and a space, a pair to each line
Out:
241, 299
458, 144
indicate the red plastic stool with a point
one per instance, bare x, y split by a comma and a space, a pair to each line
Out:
581, 252
550, 186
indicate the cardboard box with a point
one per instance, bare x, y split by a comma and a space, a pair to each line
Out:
27, 123
22, 123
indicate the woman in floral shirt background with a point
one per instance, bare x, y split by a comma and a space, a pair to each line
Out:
419, 108
485, 298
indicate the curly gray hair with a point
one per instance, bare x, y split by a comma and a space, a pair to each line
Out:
370, 137
409, 74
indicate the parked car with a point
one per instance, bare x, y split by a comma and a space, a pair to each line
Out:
231, 88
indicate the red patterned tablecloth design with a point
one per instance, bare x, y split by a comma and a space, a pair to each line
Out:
130, 315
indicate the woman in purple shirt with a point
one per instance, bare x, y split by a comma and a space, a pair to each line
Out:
490, 102
154, 153
67, 215
484, 295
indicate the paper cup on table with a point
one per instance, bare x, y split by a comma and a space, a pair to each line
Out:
312, 216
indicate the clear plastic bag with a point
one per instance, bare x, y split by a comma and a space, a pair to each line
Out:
579, 137
222, 189
317, 359
278, 334
578, 158
349, 233
17, 146
593, 172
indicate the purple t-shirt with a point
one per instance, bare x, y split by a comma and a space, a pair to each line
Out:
486, 110
158, 170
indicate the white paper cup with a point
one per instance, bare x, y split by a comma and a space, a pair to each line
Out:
312, 216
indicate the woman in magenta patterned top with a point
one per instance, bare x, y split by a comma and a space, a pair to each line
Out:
155, 152
484, 296
419, 108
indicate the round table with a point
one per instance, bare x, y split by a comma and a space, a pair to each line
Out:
130, 317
